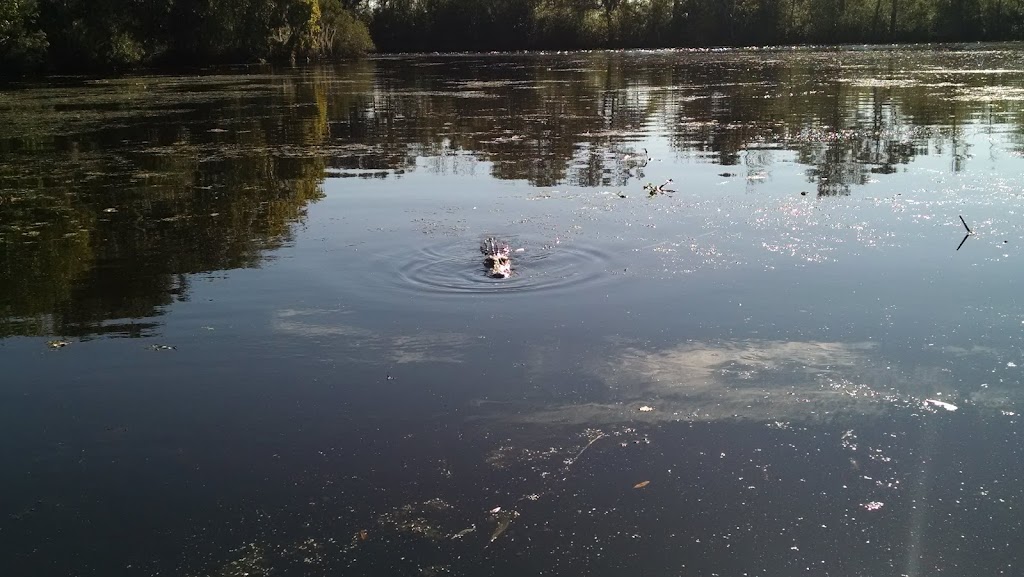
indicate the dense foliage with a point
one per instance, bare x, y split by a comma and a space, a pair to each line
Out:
424, 25
77, 34
105, 34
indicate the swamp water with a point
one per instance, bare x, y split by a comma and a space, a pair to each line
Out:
245, 327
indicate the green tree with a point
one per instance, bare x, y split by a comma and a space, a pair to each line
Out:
22, 44
608, 8
339, 32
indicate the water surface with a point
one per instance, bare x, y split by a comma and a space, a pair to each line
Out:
246, 328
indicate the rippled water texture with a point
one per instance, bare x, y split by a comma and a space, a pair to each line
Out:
454, 267
764, 317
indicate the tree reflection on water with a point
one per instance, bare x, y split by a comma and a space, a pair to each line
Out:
114, 192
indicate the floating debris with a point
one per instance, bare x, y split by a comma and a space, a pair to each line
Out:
969, 231
659, 189
432, 519
873, 505
570, 462
57, 344
646, 409
504, 519
162, 348
356, 541
251, 561
464, 532
641, 484
942, 404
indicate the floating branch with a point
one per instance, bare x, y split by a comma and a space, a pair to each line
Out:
969, 231
966, 236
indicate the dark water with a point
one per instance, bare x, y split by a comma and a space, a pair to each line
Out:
246, 328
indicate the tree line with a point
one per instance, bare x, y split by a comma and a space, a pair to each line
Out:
429, 25
118, 34
105, 34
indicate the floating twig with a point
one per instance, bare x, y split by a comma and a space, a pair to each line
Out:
969, 231
966, 236
584, 449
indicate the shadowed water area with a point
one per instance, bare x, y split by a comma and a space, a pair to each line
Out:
246, 327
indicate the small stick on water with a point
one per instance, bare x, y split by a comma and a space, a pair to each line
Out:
583, 450
966, 236
969, 231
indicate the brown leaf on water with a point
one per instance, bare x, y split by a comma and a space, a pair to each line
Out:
641, 484
363, 535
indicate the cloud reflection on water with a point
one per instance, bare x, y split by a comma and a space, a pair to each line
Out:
422, 347
766, 381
